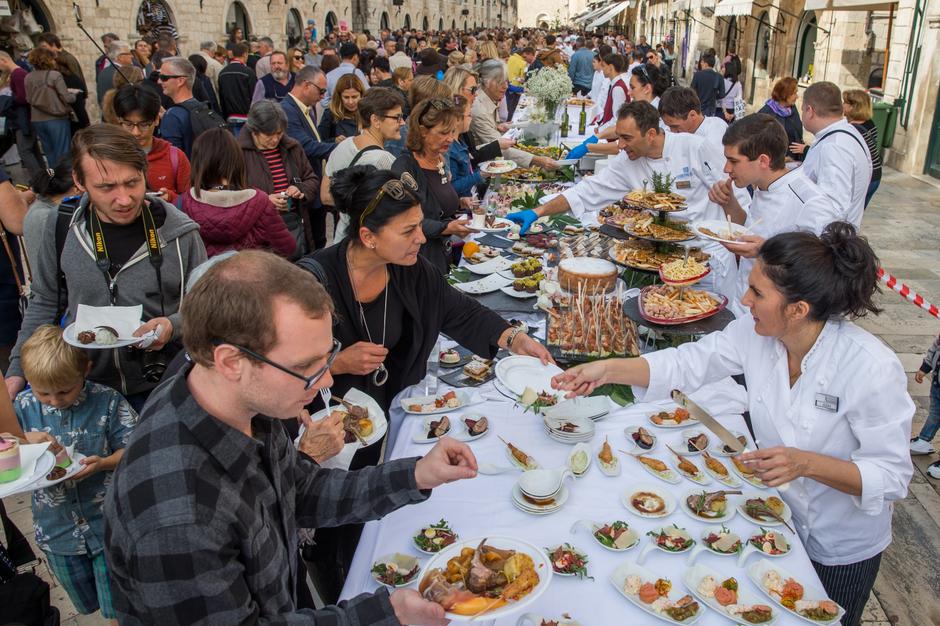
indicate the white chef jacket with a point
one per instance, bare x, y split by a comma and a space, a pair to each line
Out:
712, 130
599, 86
841, 166
687, 158
618, 95
869, 424
792, 202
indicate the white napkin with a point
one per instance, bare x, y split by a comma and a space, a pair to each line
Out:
124, 319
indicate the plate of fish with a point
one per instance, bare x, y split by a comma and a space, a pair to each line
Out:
654, 595
804, 600
724, 595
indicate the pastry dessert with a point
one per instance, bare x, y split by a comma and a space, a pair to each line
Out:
62, 458
477, 370
587, 275
450, 356
10, 468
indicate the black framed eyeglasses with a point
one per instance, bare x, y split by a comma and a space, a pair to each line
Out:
399, 118
166, 77
309, 380
142, 126
396, 188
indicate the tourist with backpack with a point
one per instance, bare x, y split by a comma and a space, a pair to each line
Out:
138, 112
188, 117
149, 249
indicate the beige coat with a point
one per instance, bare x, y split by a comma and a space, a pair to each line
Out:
483, 128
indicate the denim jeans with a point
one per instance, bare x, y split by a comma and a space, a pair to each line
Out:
932, 425
55, 136
872, 187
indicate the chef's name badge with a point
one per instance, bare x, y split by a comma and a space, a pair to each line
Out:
827, 403
683, 184
684, 179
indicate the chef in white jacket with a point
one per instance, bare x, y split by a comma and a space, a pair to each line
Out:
828, 401
784, 200
681, 111
645, 149
839, 160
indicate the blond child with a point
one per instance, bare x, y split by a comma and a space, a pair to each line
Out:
63, 407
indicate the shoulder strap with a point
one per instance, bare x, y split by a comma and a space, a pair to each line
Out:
314, 267
360, 153
857, 139
62, 222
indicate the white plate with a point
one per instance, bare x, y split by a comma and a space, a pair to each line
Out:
581, 447
420, 434
543, 568
497, 166
693, 576
518, 372
36, 461
628, 433
593, 408
720, 227
667, 497
585, 427
501, 224
613, 469
496, 264
70, 471
359, 398
484, 285
593, 526
717, 531
573, 549
70, 334
683, 447
810, 591
654, 544
753, 481
398, 558
717, 445
528, 507
684, 424
460, 431
787, 514
462, 398
729, 510
700, 479
415, 545
728, 481
619, 575
522, 295
534, 464
669, 476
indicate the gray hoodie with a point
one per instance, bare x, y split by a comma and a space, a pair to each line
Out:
136, 283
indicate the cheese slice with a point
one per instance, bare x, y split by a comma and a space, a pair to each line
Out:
725, 542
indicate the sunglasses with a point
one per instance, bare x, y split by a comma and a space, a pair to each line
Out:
298, 58
438, 104
397, 118
473, 90
642, 70
165, 77
309, 381
397, 189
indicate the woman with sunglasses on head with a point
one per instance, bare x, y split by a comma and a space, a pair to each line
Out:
380, 113
828, 401
391, 306
464, 83
432, 128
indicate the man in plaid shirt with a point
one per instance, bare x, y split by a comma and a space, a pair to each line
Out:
202, 517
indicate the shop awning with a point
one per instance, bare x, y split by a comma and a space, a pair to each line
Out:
613, 12
725, 8
846, 5
593, 13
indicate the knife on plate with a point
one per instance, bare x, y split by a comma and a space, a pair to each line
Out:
707, 421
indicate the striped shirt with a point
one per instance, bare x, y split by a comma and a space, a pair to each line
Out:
870, 133
277, 168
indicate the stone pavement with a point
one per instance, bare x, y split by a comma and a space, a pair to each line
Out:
900, 224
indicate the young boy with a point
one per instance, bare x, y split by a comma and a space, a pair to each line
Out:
62, 406
921, 443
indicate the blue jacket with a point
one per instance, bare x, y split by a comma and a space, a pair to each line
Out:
581, 68
175, 128
464, 176
299, 129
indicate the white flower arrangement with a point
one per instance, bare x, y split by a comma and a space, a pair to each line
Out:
550, 86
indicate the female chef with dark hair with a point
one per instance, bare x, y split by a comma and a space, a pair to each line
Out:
828, 401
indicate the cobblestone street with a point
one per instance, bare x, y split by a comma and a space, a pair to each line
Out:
901, 225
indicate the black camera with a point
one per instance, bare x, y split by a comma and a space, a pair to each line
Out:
153, 365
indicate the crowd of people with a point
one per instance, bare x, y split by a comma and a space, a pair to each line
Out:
204, 193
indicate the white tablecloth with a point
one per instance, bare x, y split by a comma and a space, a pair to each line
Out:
481, 507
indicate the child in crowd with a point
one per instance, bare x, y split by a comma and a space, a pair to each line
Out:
64, 408
921, 444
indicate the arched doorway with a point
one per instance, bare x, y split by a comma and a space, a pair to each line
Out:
465, 25
294, 29
806, 47
761, 57
237, 17
329, 23
154, 20
440, 24
424, 24
383, 22
407, 22
731, 38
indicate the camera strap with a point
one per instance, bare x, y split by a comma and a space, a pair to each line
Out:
103, 260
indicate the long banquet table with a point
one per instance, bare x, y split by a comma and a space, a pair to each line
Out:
481, 507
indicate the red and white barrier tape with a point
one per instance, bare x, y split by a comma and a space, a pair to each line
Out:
908, 293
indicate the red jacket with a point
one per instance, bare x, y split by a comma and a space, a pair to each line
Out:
238, 220
161, 172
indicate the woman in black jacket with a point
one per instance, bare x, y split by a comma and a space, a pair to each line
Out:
432, 127
390, 307
782, 105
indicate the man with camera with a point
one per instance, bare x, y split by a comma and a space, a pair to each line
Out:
118, 247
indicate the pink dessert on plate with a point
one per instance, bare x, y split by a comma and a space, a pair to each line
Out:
10, 468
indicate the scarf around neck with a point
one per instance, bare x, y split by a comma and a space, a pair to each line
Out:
779, 109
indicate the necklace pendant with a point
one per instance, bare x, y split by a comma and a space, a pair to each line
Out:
380, 376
